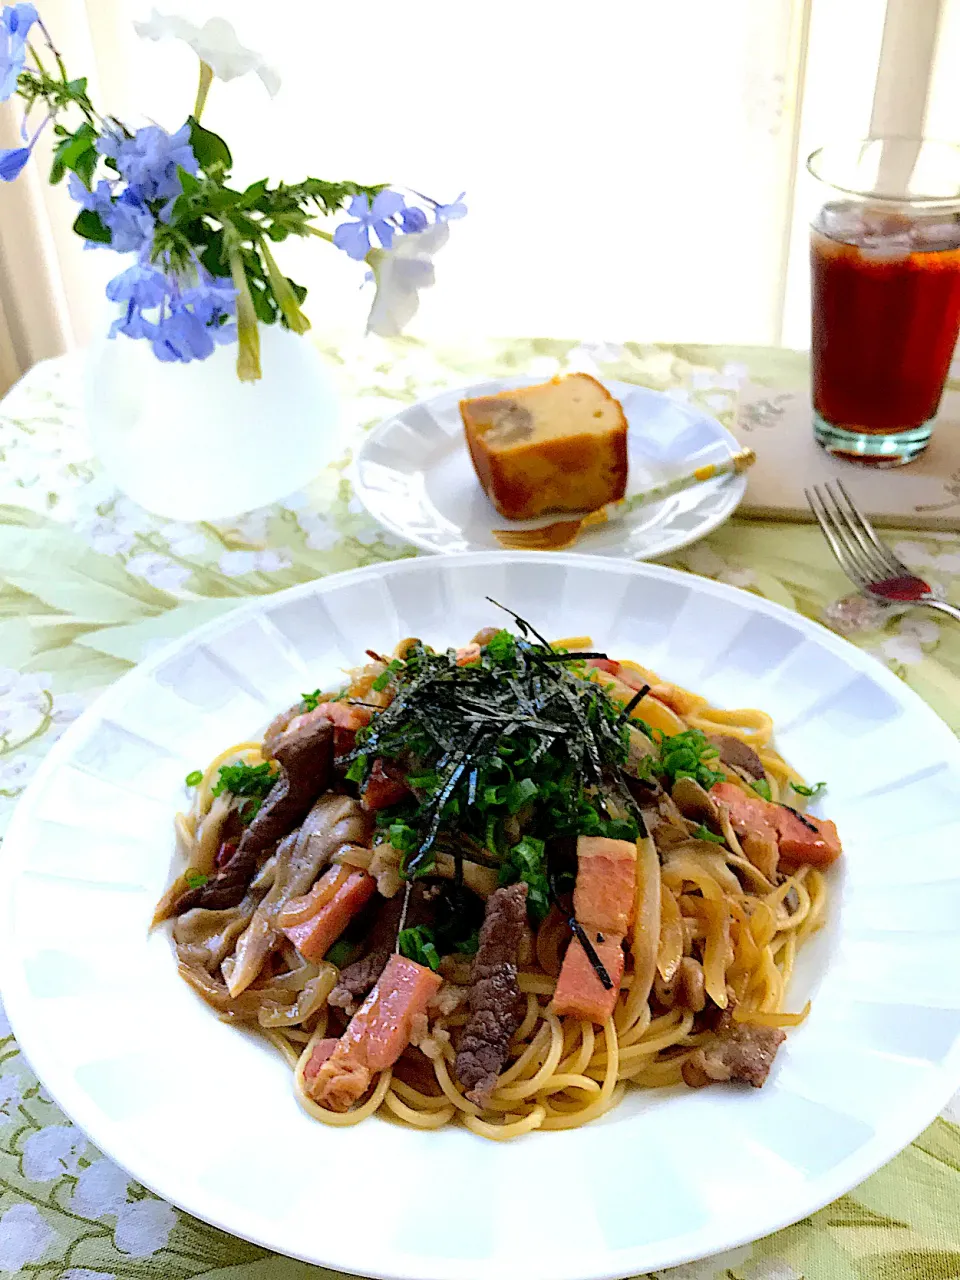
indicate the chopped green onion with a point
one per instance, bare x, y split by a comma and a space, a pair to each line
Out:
357, 770
762, 788
810, 792
196, 879
194, 778
418, 944
704, 833
526, 861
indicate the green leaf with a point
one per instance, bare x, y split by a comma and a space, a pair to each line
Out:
89, 225
76, 151
209, 148
85, 164
214, 257
254, 193
78, 87
263, 303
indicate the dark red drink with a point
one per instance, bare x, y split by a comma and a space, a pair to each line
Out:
886, 313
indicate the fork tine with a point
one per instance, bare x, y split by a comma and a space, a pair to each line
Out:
896, 568
872, 562
839, 544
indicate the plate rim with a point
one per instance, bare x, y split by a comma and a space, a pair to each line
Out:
925, 1104
735, 486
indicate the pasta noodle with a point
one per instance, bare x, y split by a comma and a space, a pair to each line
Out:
713, 935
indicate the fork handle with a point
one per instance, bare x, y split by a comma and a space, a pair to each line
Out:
941, 606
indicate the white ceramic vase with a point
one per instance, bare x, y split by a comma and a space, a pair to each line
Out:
193, 442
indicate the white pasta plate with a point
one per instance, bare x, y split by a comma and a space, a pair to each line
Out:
204, 1113
414, 475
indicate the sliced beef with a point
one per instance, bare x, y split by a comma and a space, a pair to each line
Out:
496, 1005
738, 755
306, 762
277, 727
738, 1051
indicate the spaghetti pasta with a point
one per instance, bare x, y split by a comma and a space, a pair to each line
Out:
725, 892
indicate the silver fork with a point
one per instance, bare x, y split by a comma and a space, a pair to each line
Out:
868, 562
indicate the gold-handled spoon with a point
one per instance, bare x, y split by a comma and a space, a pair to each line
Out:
564, 533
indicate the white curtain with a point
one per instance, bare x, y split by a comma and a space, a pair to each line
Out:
630, 165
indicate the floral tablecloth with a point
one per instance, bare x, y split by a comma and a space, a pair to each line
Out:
90, 583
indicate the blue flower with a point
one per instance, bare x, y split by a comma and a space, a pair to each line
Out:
12, 163
15, 23
354, 237
143, 286
129, 221
413, 220
185, 323
450, 212
148, 162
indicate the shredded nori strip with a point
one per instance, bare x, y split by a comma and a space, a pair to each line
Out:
806, 821
580, 934
634, 702
468, 727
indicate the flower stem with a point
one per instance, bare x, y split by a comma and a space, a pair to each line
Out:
315, 231
203, 88
286, 298
248, 335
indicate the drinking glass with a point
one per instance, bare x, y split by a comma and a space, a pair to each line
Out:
885, 274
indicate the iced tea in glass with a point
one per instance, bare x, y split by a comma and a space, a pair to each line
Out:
885, 275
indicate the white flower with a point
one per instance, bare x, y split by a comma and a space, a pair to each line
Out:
15, 774
400, 274
24, 1237
101, 1188
215, 43
738, 577
52, 1151
236, 563
903, 649
717, 401
321, 535
906, 646
9, 1096
158, 570
143, 1227
705, 561
922, 629
270, 561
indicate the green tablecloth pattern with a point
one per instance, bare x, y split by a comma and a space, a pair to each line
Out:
90, 583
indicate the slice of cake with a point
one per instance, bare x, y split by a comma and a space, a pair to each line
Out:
559, 446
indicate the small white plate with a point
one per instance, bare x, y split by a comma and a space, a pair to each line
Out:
204, 1113
414, 475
